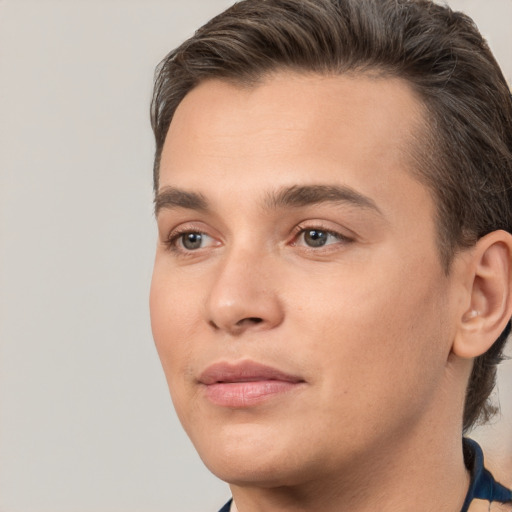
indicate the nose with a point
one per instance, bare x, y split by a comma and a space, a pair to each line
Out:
244, 294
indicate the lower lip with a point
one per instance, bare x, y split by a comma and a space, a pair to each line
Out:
247, 394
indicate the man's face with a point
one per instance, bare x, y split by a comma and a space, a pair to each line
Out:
298, 302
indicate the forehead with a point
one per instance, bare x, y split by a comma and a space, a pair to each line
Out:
289, 129
368, 113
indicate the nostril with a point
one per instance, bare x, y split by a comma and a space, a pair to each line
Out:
245, 322
251, 320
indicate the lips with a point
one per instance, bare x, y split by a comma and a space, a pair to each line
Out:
245, 384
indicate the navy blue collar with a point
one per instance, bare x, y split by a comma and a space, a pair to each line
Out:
482, 486
226, 507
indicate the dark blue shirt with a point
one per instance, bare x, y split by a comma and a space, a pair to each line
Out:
482, 486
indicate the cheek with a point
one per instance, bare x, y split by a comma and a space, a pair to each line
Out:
174, 324
378, 329
174, 320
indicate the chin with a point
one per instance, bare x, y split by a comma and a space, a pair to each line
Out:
264, 472
248, 455
244, 473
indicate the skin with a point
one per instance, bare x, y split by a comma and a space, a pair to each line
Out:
368, 321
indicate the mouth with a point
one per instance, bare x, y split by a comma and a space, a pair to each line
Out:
246, 384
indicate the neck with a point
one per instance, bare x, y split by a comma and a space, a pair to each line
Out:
423, 470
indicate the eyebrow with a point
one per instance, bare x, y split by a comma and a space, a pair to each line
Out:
170, 197
295, 196
306, 195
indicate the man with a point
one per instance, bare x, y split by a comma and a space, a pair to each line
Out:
332, 284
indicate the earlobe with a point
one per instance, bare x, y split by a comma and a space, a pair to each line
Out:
489, 273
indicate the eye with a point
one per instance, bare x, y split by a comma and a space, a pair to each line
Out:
191, 241
184, 241
317, 237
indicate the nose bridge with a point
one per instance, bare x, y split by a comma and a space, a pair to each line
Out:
243, 293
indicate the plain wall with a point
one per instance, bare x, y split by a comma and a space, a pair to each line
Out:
86, 423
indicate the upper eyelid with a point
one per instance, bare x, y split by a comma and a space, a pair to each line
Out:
169, 228
326, 226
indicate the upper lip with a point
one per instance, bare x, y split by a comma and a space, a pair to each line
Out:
243, 371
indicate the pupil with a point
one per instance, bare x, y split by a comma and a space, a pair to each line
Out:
192, 240
315, 238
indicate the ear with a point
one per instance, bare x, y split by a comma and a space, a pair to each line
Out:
488, 307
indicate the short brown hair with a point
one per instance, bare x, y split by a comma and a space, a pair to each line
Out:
466, 154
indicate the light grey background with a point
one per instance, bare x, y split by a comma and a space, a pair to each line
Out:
86, 423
